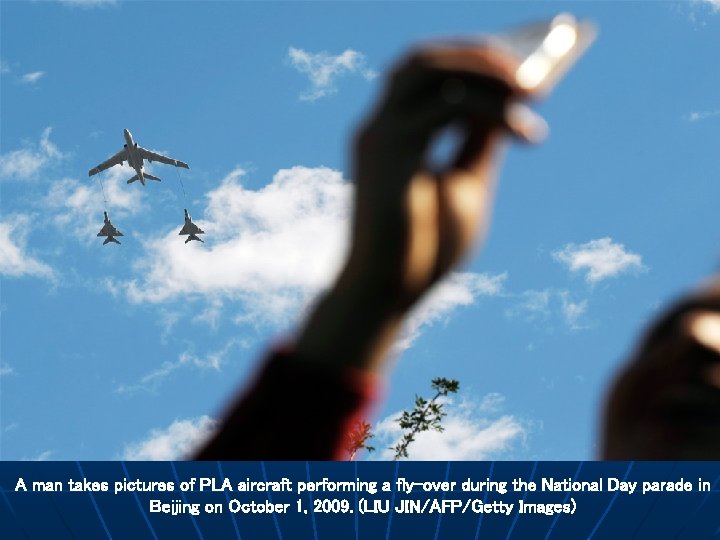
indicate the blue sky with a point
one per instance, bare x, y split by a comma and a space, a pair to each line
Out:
130, 351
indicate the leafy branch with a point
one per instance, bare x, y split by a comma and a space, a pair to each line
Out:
425, 416
357, 439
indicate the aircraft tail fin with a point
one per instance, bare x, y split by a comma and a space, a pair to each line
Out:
143, 178
110, 239
194, 237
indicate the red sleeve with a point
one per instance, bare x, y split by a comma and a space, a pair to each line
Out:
294, 410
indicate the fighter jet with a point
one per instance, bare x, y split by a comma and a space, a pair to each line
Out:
134, 155
191, 229
110, 231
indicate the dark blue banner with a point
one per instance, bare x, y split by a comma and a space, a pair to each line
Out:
365, 500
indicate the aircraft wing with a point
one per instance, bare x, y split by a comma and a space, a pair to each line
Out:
191, 229
109, 230
152, 156
117, 159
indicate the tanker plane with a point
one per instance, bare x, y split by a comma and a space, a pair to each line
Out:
134, 155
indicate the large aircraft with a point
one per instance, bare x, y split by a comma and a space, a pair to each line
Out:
134, 155
191, 229
110, 231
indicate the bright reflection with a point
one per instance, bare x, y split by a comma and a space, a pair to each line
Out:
560, 40
705, 328
533, 70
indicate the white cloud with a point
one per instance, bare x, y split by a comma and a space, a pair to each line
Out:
534, 305
491, 402
211, 314
77, 205
43, 456
173, 443
467, 435
167, 319
531, 304
602, 258
151, 380
458, 289
323, 69
14, 261
573, 311
6, 369
32, 77
535, 301
697, 10
697, 116
213, 360
27, 162
273, 250
4, 67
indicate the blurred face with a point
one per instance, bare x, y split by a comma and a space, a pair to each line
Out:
666, 403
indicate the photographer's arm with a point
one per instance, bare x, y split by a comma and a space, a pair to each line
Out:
411, 225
